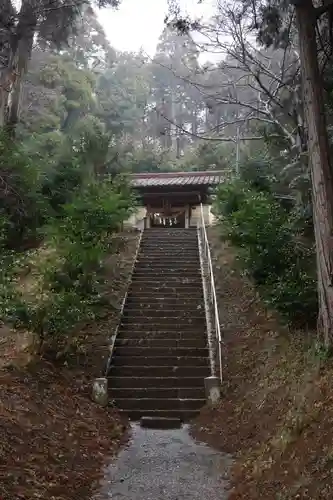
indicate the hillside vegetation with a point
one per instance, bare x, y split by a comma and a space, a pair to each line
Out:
275, 416
54, 439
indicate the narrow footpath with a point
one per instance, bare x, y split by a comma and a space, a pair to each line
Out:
165, 465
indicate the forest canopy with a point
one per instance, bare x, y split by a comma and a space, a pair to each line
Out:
75, 111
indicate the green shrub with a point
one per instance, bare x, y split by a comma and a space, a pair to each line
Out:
281, 266
258, 174
61, 183
83, 237
72, 277
21, 204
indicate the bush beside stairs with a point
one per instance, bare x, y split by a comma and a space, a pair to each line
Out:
161, 356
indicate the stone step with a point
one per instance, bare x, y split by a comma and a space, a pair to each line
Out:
151, 343
191, 315
163, 299
176, 253
160, 404
167, 259
154, 296
157, 392
167, 304
155, 319
152, 234
176, 242
167, 281
163, 263
168, 268
164, 288
137, 414
156, 326
182, 300
160, 294
184, 314
172, 277
170, 237
169, 361
168, 273
158, 297
160, 423
172, 254
176, 332
159, 371
165, 246
193, 236
164, 266
158, 322
178, 250
162, 351
131, 382
171, 230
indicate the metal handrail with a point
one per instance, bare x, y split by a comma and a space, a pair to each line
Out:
114, 336
212, 291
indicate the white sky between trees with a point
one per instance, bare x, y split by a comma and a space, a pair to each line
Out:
138, 24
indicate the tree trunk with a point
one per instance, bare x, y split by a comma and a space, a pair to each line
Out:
6, 50
320, 163
25, 32
194, 125
178, 147
7, 77
172, 118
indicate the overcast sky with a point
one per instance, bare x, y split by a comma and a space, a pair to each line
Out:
139, 23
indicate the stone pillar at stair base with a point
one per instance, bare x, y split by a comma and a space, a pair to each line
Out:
100, 391
213, 389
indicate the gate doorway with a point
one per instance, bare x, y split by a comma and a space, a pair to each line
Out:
177, 220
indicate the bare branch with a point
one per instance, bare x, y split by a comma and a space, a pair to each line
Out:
205, 138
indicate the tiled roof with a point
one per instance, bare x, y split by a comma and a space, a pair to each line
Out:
177, 179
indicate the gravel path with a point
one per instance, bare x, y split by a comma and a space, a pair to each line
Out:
165, 465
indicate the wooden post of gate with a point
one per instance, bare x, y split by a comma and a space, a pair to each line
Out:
187, 217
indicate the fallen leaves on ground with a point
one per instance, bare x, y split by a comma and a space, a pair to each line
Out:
276, 414
54, 439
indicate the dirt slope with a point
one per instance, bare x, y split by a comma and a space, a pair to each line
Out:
276, 415
54, 440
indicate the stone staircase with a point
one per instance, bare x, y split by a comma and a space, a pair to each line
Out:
161, 356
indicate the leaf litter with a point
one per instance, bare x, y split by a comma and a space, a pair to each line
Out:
54, 439
276, 413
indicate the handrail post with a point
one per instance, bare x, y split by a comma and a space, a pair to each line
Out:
209, 275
